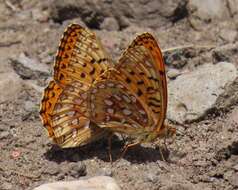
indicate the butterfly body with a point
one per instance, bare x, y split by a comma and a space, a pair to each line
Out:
90, 97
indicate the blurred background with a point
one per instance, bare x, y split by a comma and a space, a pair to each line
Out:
199, 41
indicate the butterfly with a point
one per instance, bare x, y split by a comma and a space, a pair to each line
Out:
91, 97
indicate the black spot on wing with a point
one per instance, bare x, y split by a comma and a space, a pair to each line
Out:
83, 75
128, 80
132, 72
92, 71
139, 92
140, 82
92, 61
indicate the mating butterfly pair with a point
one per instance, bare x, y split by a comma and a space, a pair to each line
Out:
90, 97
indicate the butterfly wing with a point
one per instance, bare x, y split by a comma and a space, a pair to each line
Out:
134, 100
141, 68
80, 57
79, 62
113, 106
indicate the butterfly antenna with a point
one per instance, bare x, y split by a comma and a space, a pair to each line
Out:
160, 151
187, 47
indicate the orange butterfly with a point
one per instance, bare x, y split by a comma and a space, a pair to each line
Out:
90, 97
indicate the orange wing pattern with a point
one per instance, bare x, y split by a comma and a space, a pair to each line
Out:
134, 98
79, 62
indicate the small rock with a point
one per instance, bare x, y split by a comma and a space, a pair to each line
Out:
233, 6
210, 8
228, 174
94, 183
29, 105
123, 163
226, 53
33, 84
60, 177
40, 15
32, 64
173, 73
53, 169
12, 80
4, 135
235, 167
233, 118
105, 172
192, 94
228, 35
46, 57
151, 177
232, 178
110, 24
77, 169
6, 186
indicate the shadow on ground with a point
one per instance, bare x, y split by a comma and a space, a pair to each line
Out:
136, 154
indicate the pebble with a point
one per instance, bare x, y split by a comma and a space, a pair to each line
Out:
173, 73
192, 94
77, 169
235, 167
52, 169
9, 79
209, 8
94, 183
29, 105
105, 172
151, 177
110, 24
6, 186
32, 64
4, 135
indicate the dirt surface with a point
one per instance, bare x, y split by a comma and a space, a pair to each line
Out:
204, 154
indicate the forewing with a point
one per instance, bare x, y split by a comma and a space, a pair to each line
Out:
79, 62
141, 69
80, 57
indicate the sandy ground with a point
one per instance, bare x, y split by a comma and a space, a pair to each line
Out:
204, 154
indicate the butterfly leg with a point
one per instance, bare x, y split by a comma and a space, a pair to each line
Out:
165, 143
161, 154
160, 151
126, 148
123, 138
110, 146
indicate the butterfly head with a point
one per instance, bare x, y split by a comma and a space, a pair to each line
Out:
166, 131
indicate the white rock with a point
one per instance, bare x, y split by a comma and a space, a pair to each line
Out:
228, 34
10, 86
194, 93
32, 64
233, 6
110, 24
173, 73
94, 183
210, 8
